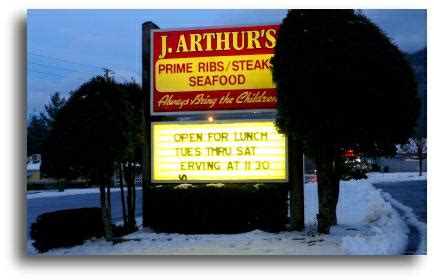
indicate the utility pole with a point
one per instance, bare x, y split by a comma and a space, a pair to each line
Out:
107, 72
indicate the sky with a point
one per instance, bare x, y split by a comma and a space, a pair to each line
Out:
67, 47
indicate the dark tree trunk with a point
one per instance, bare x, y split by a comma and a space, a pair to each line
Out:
329, 173
420, 164
109, 206
130, 207
134, 194
108, 236
121, 185
296, 184
419, 145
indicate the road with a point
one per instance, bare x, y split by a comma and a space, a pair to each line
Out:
37, 206
411, 194
414, 195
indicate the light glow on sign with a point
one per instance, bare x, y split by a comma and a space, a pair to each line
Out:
216, 152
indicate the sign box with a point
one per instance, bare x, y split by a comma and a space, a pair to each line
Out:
212, 69
227, 151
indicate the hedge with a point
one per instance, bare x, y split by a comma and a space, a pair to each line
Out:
231, 208
66, 228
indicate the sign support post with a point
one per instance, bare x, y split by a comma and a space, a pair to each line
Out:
146, 115
296, 183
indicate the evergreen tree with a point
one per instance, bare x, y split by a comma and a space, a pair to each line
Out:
89, 138
341, 84
418, 60
36, 134
40, 125
52, 108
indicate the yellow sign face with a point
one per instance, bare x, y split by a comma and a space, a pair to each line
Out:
248, 71
218, 152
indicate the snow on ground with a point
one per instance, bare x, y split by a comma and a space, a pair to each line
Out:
377, 177
56, 193
368, 225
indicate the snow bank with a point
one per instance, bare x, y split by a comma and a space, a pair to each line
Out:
183, 186
367, 225
377, 177
383, 232
217, 185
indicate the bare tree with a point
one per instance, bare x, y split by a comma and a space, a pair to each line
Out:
415, 146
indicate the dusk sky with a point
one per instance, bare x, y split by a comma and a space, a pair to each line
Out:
67, 47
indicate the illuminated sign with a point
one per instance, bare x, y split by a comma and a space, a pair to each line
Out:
218, 152
212, 69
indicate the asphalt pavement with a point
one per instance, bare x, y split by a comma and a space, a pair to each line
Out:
37, 206
412, 194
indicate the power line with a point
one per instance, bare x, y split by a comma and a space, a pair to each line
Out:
61, 68
105, 69
52, 74
65, 60
120, 77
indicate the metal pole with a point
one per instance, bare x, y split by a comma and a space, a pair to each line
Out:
146, 114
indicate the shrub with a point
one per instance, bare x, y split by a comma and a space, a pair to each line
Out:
66, 228
355, 169
35, 186
217, 209
375, 167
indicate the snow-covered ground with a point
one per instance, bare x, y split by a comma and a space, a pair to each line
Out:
56, 193
377, 177
368, 225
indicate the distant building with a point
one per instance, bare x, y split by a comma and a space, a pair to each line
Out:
34, 176
34, 171
400, 163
